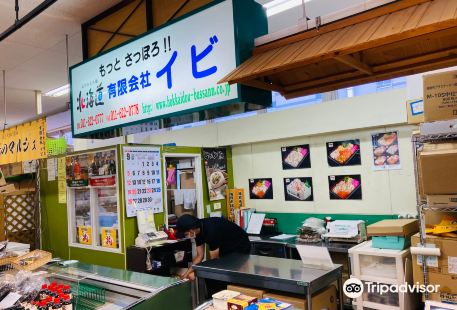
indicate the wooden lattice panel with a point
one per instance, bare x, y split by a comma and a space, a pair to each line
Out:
19, 218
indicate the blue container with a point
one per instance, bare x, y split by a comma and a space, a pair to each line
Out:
391, 242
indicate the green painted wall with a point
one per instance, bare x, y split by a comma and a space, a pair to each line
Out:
108, 259
289, 222
54, 228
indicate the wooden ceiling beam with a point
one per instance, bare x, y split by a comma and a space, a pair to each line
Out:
348, 82
264, 85
351, 61
324, 80
338, 24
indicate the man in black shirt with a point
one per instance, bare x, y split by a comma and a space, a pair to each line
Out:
222, 236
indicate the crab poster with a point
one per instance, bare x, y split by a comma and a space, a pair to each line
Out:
343, 153
298, 189
216, 172
295, 157
386, 154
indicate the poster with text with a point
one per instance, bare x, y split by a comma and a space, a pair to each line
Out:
345, 187
298, 189
143, 179
295, 157
77, 170
261, 188
216, 172
343, 153
386, 154
102, 168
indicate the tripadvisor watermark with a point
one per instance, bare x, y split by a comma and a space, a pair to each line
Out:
354, 288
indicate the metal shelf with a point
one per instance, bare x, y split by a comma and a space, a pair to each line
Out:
435, 138
435, 208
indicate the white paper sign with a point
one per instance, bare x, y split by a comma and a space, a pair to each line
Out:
452, 264
173, 69
143, 179
51, 164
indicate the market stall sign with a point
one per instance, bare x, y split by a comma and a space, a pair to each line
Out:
169, 71
23, 142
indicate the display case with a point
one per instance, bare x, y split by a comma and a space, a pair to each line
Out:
93, 200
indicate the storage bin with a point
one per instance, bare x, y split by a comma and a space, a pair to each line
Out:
378, 266
391, 242
389, 298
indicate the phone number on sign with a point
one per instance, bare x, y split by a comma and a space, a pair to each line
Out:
114, 115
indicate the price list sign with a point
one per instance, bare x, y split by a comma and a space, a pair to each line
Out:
143, 179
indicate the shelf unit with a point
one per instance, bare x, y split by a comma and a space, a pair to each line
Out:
391, 267
422, 206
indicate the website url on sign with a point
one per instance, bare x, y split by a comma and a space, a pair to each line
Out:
181, 98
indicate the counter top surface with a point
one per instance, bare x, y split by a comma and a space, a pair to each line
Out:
292, 242
87, 271
266, 267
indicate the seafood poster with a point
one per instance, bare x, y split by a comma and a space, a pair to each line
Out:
386, 155
295, 157
216, 172
343, 153
345, 187
298, 189
261, 188
77, 170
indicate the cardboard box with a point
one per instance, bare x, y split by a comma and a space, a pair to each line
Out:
415, 111
394, 227
442, 270
438, 169
16, 168
247, 291
7, 189
2, 178
442, 200
325, 299
187, 180
443, 297
440, 96
240, 302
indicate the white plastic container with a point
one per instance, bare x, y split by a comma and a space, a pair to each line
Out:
220, 299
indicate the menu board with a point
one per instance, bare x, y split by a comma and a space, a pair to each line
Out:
343, 153
261, 188
345, 187
386, 155
216, 172
298, 189
77, 170
143, 179
295, 157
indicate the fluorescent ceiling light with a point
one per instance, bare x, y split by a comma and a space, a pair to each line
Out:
278, 6
60, 91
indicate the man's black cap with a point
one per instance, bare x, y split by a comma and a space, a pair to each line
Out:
185, 223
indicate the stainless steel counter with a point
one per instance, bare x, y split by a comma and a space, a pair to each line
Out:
278, 274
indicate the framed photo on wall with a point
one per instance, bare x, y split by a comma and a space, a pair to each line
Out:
298, 189
295, 157
343, 153
261, 188
345, 187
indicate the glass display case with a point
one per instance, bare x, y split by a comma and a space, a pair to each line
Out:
93, 200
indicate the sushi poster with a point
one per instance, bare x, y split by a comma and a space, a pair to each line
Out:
386, 155
261, 188
216, 172
343, 153
295, 157
345, 187
298, 189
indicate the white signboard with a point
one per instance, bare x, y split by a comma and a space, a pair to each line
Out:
143, 179
168, 71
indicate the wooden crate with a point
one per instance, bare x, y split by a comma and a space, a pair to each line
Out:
41, 258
